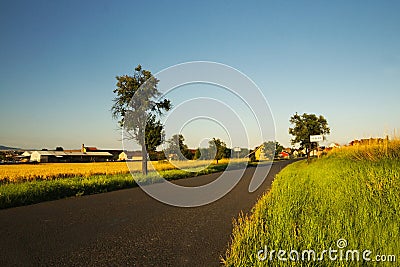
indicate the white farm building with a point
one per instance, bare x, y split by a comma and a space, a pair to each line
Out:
61, 156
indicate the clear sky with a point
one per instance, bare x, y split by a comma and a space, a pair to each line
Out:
59, 59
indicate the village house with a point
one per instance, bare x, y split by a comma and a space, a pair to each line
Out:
259, 153
130, 156
334, 145
284, 155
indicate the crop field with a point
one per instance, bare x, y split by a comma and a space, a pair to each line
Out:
48, 171
36, 183
348, 200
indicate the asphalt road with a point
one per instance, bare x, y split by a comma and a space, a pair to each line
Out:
125, 228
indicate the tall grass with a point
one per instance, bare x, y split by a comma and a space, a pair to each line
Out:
373, 151
351, 194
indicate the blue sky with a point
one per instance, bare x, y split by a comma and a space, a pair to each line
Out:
59, 59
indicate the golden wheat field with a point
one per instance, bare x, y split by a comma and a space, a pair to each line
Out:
29, 172
43, 171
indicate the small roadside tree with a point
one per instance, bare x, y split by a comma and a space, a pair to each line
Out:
272, 149
219, 147
154, 133
178, 147
136, 104
154, 136
306, 125
197, 154
227, 153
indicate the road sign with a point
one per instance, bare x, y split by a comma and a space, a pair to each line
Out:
316, 138
237, 149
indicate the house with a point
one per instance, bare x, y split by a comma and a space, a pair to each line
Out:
314, 153
284, 155
259, 153
173, 156
334, 145
130, 155
288, 150
89, 148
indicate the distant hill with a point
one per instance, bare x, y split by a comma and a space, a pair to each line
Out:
8, 148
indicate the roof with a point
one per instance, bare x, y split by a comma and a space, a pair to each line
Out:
334, 145
26, 154
44, 153
76, 154
259, 147
104, 154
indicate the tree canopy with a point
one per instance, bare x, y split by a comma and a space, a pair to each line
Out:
219, 148
178, 148
271, 149
305, 125
136, 105
154, 133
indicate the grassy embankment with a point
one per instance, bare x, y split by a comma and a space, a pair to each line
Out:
28, 184
352, 194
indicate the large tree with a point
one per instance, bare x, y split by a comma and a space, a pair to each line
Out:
305, 125
136, 104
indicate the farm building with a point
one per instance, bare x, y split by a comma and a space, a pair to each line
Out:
41, 156
25, 157
65, 156
115, 152
26, 154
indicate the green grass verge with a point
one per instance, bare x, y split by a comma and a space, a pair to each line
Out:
25, 193
312, 206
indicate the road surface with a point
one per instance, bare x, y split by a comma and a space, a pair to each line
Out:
125, 228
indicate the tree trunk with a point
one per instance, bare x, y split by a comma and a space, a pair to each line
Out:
308, 153
144, 160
